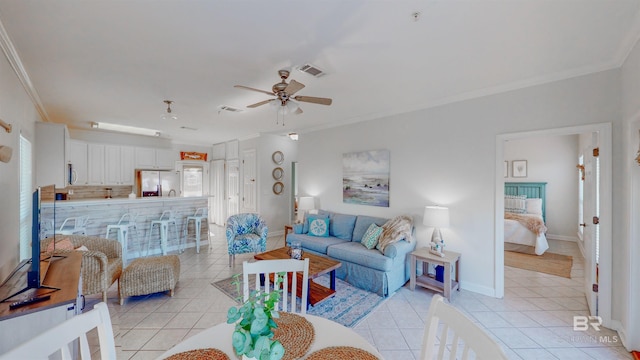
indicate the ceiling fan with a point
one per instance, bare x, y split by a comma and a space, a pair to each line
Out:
284, 93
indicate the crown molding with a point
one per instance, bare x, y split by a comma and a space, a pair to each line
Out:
14, 60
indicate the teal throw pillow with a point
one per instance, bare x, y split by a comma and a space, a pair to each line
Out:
371, 236
319, 227
309, 218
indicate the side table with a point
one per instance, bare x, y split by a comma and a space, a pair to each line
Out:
425, 257
287, 230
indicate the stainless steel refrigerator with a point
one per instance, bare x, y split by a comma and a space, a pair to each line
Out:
158, 183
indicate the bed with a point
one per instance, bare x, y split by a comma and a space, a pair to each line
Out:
525, 217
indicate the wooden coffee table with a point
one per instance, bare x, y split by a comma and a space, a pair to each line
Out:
318, 265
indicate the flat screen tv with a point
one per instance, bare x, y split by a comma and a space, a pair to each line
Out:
34, 272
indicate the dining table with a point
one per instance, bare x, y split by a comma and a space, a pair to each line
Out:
326, 335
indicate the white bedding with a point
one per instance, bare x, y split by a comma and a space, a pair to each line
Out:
516, 233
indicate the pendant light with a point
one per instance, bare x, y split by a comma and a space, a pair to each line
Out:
169, 115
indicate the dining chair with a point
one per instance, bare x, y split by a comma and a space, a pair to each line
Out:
296, 283
61, 338
466, 335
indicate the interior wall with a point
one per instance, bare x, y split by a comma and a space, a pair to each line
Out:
446, 155
630, 205
272, 207
552, 160
16, 109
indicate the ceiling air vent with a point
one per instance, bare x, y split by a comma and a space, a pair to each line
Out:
311, 70
230, 108
188, 128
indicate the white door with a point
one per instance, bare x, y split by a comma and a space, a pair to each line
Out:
233, 187
590, 221
249, 181
216, 193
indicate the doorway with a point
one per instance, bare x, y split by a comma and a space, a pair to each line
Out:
605, 206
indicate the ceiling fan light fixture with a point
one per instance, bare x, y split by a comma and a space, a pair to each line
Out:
169, 114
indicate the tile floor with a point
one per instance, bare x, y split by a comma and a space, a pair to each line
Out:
533, 321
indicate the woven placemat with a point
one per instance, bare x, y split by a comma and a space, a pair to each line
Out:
200, 354
295, 333
341, 352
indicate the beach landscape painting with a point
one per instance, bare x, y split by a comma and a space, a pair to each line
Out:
365, 178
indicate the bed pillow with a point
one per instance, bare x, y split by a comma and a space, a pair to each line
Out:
371, 236
319, 227
515, 204
534, 206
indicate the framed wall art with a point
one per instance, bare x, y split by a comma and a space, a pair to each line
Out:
365, 178
519, 168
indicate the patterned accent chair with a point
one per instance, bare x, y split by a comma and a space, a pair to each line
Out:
245, 233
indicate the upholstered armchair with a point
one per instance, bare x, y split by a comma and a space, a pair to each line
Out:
101, 263
245, 233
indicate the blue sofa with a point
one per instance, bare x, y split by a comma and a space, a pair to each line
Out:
371, 270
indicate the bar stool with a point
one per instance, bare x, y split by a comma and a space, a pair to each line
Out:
127, 221
167, 218
198, 218
70, 226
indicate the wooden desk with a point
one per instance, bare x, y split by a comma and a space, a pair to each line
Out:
23, 323
423, 255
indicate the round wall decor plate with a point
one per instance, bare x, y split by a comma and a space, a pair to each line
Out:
277, 157
277, 173
278, 187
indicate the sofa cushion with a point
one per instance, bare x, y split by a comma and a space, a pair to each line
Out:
356, 253
342, 226
319, 227
314, 243
308, 218
362, 224
370, 238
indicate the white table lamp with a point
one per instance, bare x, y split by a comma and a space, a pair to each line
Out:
305, 204
436, 217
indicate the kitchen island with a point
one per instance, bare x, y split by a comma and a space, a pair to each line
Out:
103, 212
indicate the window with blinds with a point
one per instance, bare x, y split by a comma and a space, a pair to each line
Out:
25, 198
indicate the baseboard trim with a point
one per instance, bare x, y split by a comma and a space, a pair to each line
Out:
484, 290
622, 334
562, 238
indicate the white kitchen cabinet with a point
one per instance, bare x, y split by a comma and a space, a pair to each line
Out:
127, 170
150, 158
96, 164
77, 159
118, 165
166, 159
50, 164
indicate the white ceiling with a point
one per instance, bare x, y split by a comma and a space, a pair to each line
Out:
116, 61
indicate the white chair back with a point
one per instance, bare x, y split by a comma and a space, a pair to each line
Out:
167, 215
201, 212
296, 280
59, 339
466, 336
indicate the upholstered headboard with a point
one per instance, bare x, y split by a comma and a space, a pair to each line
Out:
533, 190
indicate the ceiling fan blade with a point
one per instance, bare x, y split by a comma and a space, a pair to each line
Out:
293, 87
315, 100
259, 103
253, 89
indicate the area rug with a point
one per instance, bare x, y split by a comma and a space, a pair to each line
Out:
548, 263
348, 306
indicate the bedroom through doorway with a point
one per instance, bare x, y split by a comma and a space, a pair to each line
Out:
575, 216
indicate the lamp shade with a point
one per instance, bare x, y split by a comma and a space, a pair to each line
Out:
307, 203
436, 216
